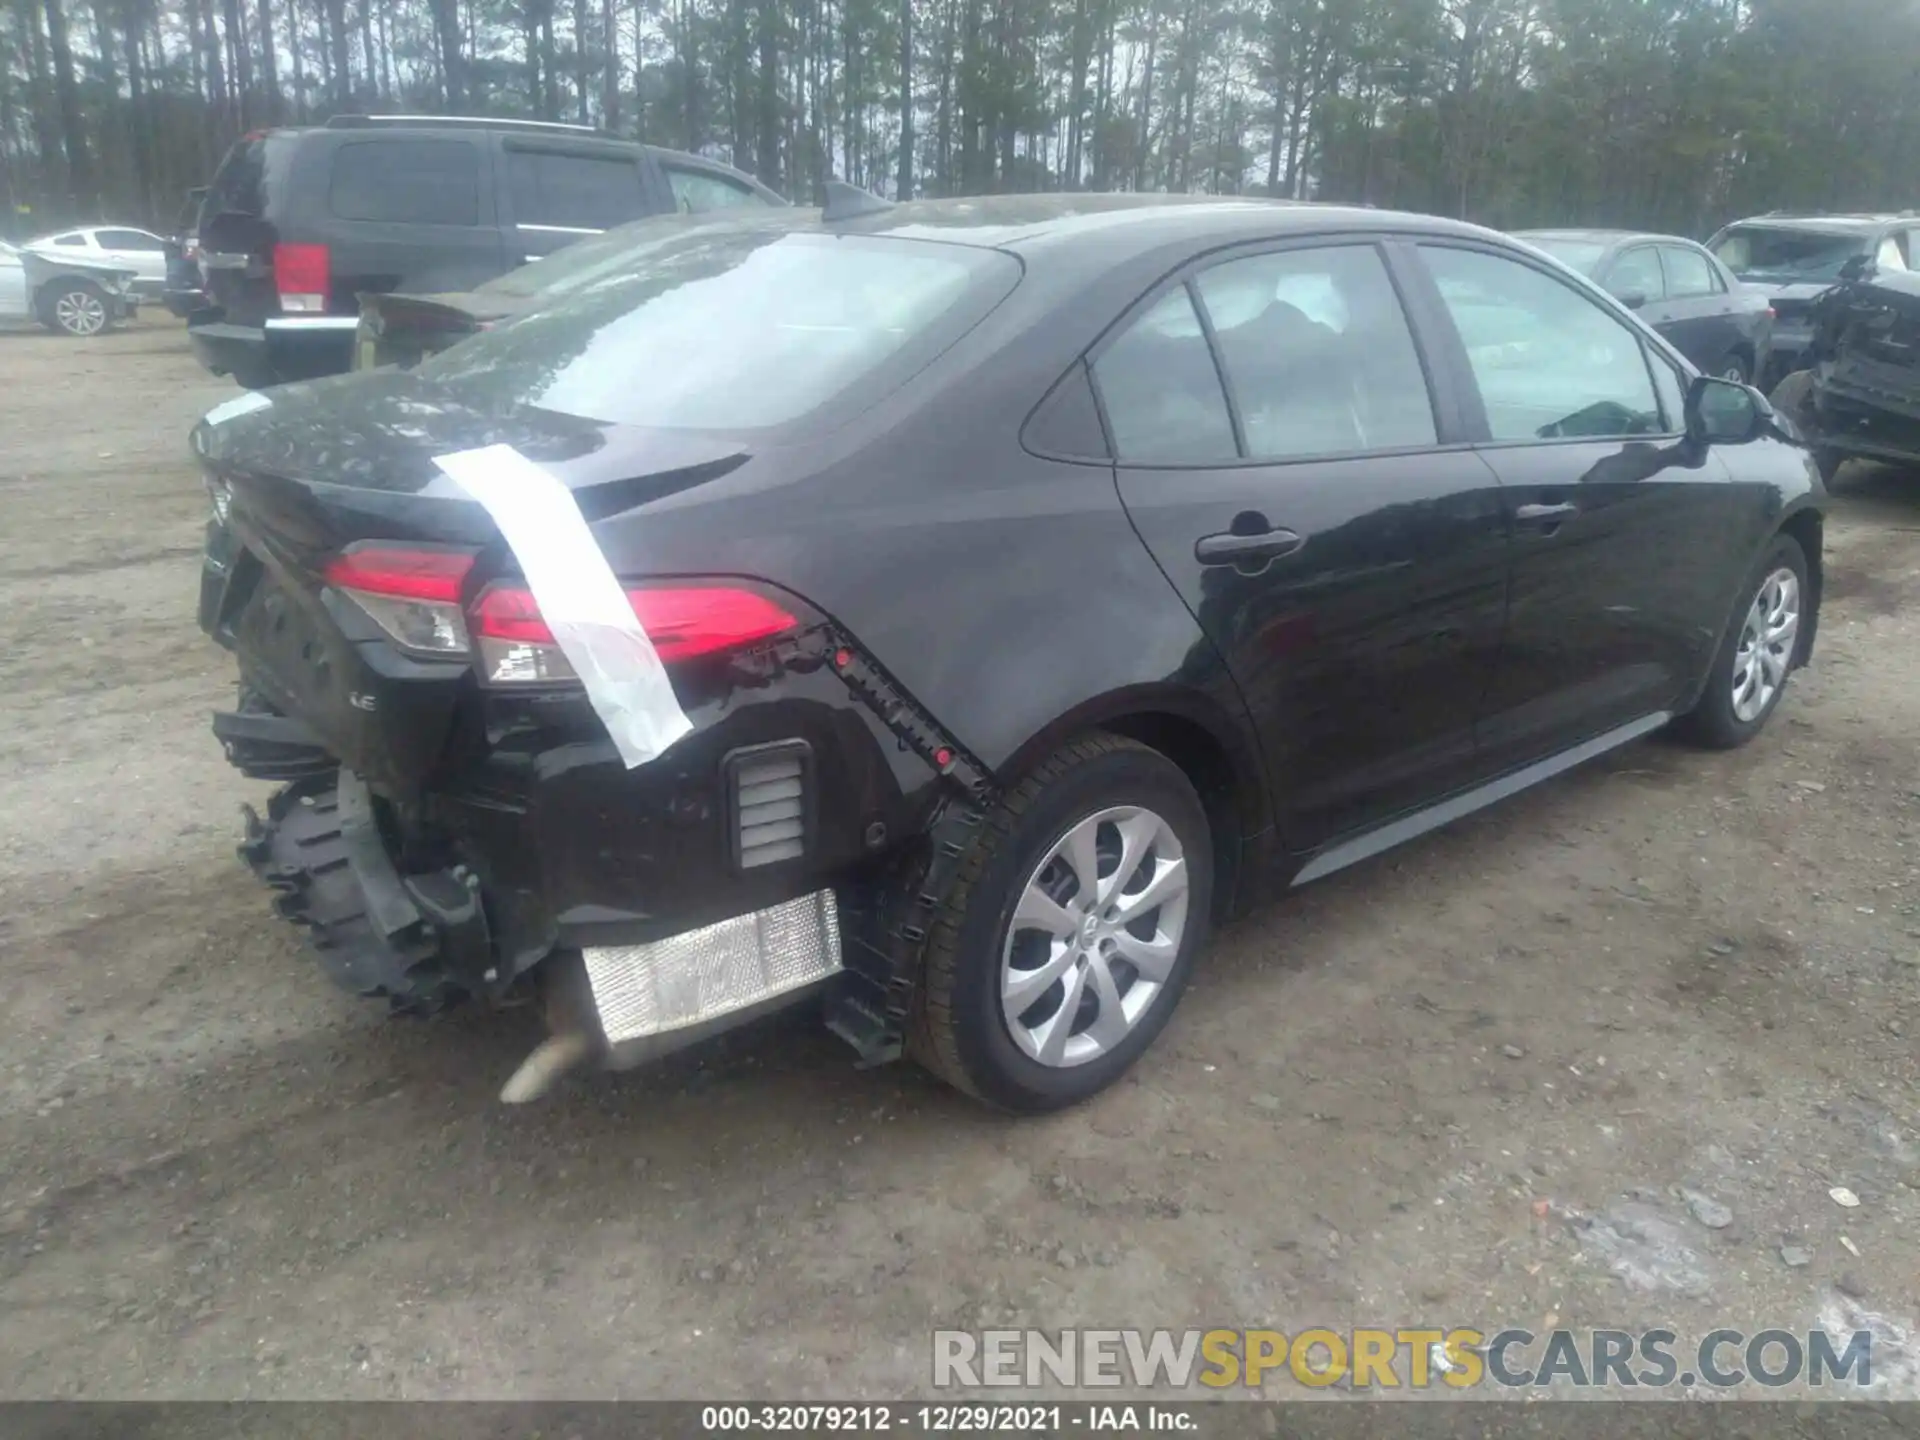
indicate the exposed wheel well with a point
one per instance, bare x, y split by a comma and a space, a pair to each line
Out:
1210, 770
1807, 528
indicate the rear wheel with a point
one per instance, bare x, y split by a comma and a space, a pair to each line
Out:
75, 307
1793, 397
1735, 367
1070, 934
1758, 653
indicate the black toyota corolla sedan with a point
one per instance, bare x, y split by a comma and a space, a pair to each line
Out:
1040, 580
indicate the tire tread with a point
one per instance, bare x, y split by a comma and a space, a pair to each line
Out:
932, 1038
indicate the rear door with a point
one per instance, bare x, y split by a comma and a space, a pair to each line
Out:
1303, 485
401, 211
1624, 533
554, 192
1700, 319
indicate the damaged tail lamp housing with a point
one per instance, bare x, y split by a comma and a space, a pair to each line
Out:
414, 593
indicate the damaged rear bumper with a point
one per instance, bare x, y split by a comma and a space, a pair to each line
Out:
418, 941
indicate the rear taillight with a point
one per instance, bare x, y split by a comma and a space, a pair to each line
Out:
412, 593
301, 273
683, 622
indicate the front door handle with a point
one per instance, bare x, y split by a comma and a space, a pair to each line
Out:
1233, 549
1535, 514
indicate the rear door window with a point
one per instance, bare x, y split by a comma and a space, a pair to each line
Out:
1161, 389
697, 191
583, 193
1637, 272
1689, 274
406, 182
1317, 353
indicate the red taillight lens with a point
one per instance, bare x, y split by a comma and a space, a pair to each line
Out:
401, 572
682, 621
412, 594
301, 273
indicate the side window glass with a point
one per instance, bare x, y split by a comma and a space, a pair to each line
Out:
125, 240
1889, 256
1318, 353
696, 191
1161, 391
406, 182
573, 192
1637, 272
1688, 273
78, 242
1549, 362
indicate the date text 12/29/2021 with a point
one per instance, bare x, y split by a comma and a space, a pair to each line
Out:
949, 1419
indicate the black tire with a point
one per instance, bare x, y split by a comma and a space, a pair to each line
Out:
1713, 722
959, 1032
1733, 366
82, 292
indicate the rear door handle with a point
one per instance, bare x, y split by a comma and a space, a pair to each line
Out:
1232, 549
1535, 514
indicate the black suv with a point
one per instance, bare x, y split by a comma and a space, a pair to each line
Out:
298, 223
1795, 259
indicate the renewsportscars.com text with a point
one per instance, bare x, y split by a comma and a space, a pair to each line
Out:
1403, 1358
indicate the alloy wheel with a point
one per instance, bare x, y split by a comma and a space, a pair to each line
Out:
79, 312
1094, 937
1765, 652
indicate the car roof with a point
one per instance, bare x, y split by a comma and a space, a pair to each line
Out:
1117, 226
1824, 224
1597, 236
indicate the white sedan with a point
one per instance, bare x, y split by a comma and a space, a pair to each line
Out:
121, 246
69, 291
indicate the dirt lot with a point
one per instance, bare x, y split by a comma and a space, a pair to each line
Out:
1462, 1084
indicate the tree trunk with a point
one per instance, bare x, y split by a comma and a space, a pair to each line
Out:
240, 65
903, 185
137, 113
1146, 102
82, 190
610, 75
269, 67
342, 74
453, 66
40, 102
1076, 95
297, 101
372, 68
532, 38
580, 65
768, 106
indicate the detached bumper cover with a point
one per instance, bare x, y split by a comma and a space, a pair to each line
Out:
420, 941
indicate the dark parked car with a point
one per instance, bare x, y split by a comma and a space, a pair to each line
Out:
185, 291
1795, 259
1041, 578
297, 224
1861, 394
1682, 291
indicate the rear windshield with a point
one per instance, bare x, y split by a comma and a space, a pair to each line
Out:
1580, 255
734, 327
1754, 252
240, 184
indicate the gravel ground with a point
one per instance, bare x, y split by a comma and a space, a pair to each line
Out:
1595, 1058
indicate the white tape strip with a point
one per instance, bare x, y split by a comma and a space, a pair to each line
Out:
240, 405
579, 598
